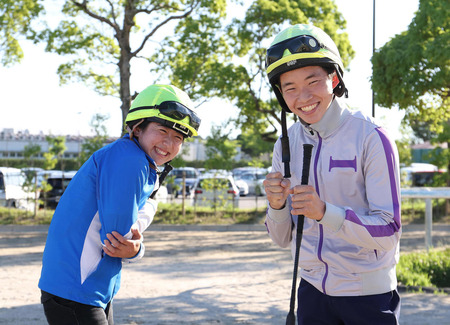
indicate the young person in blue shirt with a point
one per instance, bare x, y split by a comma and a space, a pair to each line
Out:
351, 207
101, 216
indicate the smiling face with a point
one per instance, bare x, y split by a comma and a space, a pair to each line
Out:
308, 92
161, 143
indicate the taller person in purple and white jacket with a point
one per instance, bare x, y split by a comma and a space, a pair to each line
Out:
352, 226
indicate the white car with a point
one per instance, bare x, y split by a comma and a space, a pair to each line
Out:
215, 190
243, 187
12, 192
254, 181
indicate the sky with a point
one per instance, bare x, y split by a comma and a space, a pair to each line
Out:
33, 100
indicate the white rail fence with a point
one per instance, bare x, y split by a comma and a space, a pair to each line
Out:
427, 194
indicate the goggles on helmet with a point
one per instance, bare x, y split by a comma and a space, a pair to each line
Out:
175, 111
297, 44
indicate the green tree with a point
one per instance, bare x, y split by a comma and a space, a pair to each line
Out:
92, 144
220, 149
412, 71
57, 146
16, 17
29, 151
253, 145
226, 60
101, 38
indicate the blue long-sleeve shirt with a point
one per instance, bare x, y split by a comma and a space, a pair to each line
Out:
104, 196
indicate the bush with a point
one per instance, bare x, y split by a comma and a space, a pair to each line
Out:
424, 269
168, 213
10, 216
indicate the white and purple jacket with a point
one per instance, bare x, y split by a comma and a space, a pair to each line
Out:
353, 250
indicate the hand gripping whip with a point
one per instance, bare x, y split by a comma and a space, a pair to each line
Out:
307, 150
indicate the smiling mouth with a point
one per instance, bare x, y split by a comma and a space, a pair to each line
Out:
161, 152
308, 108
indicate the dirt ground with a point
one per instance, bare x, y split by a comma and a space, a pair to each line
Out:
195, 275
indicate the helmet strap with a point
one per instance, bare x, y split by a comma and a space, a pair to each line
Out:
162, 176
131, 130
340, 88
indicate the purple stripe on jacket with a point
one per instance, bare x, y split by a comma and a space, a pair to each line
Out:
391, 228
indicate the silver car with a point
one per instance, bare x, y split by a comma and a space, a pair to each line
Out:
216, 190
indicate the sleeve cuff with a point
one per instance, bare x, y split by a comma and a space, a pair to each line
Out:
278, 216
333, 218
138, 256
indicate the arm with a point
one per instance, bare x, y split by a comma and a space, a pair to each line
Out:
124, 183
380, 227
278, 217
131, 245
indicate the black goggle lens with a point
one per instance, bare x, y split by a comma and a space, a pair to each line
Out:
179, 112
297, 44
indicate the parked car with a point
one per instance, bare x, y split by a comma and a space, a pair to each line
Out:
190, 177
12, 192
254, 181
419, 174
243, 187
215, 190
162, 195
58, 180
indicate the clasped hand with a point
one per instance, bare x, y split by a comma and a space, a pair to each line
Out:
305, 200
118, 246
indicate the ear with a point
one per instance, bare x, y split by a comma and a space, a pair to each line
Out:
335, 80
137, 131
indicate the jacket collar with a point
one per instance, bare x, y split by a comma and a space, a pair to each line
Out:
330, 121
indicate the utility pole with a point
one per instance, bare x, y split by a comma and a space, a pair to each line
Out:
373, 52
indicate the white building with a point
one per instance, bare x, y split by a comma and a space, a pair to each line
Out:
12, 145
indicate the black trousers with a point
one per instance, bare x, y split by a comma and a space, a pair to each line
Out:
316, 308
60, 311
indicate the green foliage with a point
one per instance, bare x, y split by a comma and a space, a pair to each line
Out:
29, 151
430, 269
412, 69
253, 144
171, 214
168, 213
100, 39
16, 17
219, 187
413, 211
57, 146
226, 59
91, 145
69, 164
220, 150
23, 217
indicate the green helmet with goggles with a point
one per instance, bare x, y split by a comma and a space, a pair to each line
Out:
300, 46
165, 104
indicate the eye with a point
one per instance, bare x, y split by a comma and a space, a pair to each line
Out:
314, 82
288, 89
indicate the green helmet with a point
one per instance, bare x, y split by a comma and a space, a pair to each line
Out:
167, 105
300, 46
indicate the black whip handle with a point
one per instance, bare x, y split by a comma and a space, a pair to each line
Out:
307, 151
285, 151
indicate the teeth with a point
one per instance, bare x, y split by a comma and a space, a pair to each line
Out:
161, 152
308, 108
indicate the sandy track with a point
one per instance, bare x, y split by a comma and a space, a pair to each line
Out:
194, 275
